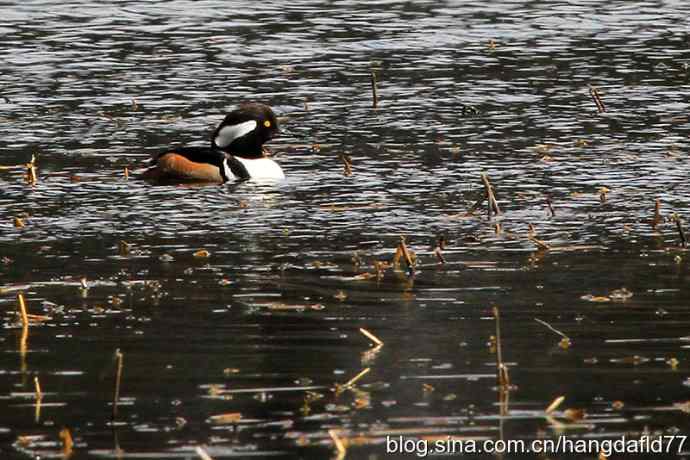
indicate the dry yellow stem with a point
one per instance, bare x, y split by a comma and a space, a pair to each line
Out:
37, 386
371, 336
222, 419
554, 404
22, 309
354, 379
118, 378
201, 452
67, 443
339, 445
405, 253
374, 93
202, 254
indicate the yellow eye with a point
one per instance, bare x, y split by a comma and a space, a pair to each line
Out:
267, 124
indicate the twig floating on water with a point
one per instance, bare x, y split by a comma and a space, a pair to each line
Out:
374, 93
272, 389
201, 452
37, 389
123, 247
371, 337
503, 378
552, 328
380, 267
39, 399
493, 204
548, 203
657, 213
23, 313
531, 235
597, 99
602, 194
31, 176
402, 247
347, 164
354, 379
476, 205
681, 233
554, 404
438, 251
67, 443
118, 378
224, 419
339, 445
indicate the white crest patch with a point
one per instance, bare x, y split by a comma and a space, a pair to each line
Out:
229, 133
262, 168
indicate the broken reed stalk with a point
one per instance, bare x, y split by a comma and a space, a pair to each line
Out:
30, 168
339, 445
347, 164
602, 194
356, 378
539, 243
374, 93
552, 328
550, 205
31, 171
657, 213
371, 337
118, 378
439, 255
532, 236
67, 443
681, 233
123, 247
438, 251
37, 389
201, 452
597, 99
503, 379
402, 247
39, 398
554, 404
21, 302
23, 347
493, 204
476, 205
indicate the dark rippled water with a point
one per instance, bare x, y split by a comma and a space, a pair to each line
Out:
265, 327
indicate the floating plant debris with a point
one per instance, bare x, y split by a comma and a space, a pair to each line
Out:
269, 341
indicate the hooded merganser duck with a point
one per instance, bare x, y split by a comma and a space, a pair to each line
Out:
236, 151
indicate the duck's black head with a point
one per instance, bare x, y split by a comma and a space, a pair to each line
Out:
244, 130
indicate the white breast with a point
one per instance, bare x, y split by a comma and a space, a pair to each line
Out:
262, 168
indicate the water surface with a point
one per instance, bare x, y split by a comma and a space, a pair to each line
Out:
265, 327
